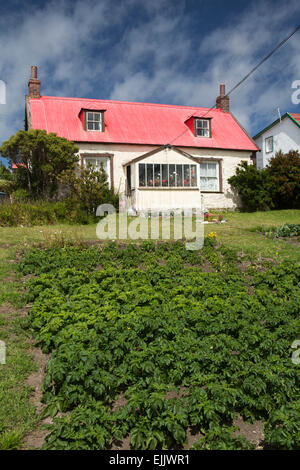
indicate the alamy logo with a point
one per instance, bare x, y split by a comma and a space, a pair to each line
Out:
2, 352
296, 354
296, 95
151, 225
2, 92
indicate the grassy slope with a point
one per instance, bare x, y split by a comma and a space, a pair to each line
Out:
17, 415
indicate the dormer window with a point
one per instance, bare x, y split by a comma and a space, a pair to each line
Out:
202, 128
94, 121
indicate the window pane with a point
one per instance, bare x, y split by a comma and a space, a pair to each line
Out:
97, 126
149, 174
186, 175
142, 174
203, 169
165, 175
172, 175
157, 175
193, 175
90, 116
179, 175
96, 117
211, 169
202, 127
269, 144
90, 126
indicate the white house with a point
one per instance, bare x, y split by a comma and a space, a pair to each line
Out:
283, 134
158, 156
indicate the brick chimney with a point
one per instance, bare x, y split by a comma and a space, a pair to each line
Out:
223, 100
34, 84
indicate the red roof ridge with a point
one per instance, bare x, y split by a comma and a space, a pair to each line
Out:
196, 108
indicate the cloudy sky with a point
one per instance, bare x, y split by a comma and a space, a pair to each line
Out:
161, 51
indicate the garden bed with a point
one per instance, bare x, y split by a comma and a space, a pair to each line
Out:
148, 323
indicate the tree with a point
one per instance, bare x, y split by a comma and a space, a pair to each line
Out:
7, 183
284, 172
253, 187
89, 188
40, 159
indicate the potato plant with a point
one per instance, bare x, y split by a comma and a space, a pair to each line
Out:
184, 348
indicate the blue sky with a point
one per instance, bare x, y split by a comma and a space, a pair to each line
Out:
163, 51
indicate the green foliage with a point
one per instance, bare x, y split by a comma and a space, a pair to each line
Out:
32, 213
5, 173
282, 430
253, 187
221, 438
41, 158
89, 188
286, 231
183, 347
20, 195
284, 172
275, 187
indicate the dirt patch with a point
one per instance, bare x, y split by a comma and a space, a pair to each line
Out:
121, 445
244, 265
175, 394
35, 439
162, 262
7, 310
119, 402
192, 438
207, 268
252, 432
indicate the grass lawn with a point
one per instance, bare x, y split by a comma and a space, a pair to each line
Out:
17, 414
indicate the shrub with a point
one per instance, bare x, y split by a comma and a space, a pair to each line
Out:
89, 189
284, 172
275, 187
253, 187
20, 195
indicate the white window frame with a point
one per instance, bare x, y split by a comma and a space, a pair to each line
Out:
168, 186
96, 162
267, 140
94, 121
216, 178
204, 130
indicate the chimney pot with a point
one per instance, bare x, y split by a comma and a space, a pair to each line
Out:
33, 71
222, 89
34, 84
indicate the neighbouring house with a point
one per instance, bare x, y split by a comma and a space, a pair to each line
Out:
158, 156
283, 134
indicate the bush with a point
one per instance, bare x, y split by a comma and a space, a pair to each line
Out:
41, 213
275, 187
20, 195
253, 187
89, 189
284, 172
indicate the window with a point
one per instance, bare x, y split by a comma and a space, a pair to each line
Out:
167, 175
202, 127
269, 144
94, 121
209, 176
97, 162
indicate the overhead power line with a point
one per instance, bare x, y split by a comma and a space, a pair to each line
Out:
246, 76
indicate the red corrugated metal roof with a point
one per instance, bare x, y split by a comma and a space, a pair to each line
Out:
137, 123
296, 117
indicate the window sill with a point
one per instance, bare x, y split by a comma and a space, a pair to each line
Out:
164, 188
212, 192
